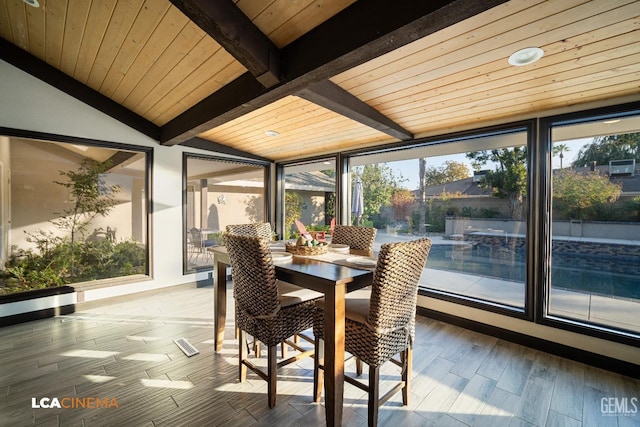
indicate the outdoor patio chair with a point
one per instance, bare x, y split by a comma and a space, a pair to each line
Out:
380, 321
358, 238
268, 309
317, 235
199, 245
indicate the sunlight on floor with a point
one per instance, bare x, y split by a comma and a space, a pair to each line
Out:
92, 354
183, 385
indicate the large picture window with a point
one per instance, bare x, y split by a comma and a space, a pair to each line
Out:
469, 195
595, 255
71, 213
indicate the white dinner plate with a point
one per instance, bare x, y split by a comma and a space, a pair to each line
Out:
281, 257
335, 247
363, 261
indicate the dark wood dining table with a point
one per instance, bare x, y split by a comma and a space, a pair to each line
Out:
331, 279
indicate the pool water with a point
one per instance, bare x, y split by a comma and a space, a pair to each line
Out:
619, 278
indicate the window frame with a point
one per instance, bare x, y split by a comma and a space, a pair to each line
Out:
530, 128
149, 161
280, 187
544, 189
185, 180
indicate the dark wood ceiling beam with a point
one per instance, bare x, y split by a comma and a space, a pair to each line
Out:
361, 32
332, 97
235, 32
52, 76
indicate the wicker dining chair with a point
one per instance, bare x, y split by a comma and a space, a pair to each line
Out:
267, 308
380, 322
358, 238
257, 229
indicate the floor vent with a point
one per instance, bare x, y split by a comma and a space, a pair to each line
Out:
186, 347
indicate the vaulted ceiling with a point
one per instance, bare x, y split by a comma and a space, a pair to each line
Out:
325, 75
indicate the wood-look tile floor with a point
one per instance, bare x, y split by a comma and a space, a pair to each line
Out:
124, 349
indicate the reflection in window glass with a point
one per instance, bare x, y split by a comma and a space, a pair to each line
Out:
70, 213
309, 197
472, 204
595, 275
219, 193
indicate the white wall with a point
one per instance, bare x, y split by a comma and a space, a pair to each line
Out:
29, 104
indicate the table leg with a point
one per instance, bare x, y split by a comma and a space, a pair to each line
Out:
334, 354
220, 302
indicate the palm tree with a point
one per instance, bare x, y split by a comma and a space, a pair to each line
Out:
558, 150
422, 170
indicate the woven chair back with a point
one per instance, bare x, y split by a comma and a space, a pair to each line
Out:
394, 290
254, 275
359, 238
257, 229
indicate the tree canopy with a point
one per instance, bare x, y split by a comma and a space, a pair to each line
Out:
449, 172
603, 149
509, 178
92, 197
559, 150
401, 200
379, 182
575, 195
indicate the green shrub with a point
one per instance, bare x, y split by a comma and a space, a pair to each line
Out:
27, 270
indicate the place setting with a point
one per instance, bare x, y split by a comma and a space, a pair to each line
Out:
281, 257
338, 248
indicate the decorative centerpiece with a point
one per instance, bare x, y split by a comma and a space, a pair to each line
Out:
303, 246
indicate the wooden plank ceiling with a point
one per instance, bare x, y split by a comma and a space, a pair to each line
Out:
327, 75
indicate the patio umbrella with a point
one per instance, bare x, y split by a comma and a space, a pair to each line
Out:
357, 200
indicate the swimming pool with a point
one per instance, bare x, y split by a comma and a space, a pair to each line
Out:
615, 277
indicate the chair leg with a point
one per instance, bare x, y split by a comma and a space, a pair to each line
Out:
407, 359
318, 374
358, 367
296, 340
242, 355
374, 395
272, 368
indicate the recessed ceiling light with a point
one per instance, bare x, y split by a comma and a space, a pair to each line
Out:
271, 133
610, 122
526, 56
33, 3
